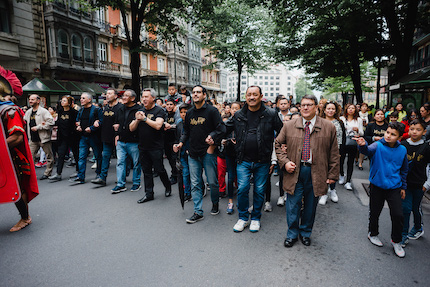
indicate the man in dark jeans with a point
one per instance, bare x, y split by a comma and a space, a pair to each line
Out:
89, 121
149, 124
254, 126
108, 129
203, 127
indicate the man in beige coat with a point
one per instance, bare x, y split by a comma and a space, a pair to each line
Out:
309, 162
39, 128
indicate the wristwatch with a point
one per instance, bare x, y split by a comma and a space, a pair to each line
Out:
145, 119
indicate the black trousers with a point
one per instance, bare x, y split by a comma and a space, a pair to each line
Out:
153, 159
64, 144
351, 152
171, 157
377, 198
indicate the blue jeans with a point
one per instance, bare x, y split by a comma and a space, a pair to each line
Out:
231, 170
122, 150
412, 203
208, 163
84, 146
244, 171
301, 222
186, 174
106, 155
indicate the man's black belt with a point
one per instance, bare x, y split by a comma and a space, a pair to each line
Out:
306, 164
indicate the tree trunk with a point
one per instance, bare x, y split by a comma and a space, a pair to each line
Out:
378, 83
355, 70
239, 76
135, 72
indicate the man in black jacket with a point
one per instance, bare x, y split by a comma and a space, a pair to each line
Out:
254, 126
203, 127
127, 143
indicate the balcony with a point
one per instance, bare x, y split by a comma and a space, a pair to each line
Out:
420, 64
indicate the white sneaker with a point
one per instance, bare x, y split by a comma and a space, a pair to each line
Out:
255, 226
267, 207
94, 166
341, 179
333, 195
281, 201
277, 183
398, 249
323, 200
240, 225
348, 186
375, 240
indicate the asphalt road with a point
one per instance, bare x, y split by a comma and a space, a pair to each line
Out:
85, 236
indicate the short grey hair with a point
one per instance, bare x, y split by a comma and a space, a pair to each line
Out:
151, 90
88, 95
310, 97
132, 93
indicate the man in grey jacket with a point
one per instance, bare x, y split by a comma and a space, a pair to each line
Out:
39, 128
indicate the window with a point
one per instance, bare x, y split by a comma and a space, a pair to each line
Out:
125, 57
289, 83
271, 83
101, 14
266, 77
271, 88
76, 47
88, 49
144, 61
243, 77
266, 83
161, 65
288, 89
260, 77
289, 78
277, 77
103, 52
271, 77
261, 83
277, 88
277, 83
4, 17
63, 44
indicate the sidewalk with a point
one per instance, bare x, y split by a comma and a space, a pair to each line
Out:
360, 177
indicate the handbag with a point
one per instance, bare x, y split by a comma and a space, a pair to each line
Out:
350, 141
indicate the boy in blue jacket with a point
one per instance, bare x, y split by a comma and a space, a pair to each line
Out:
388, 171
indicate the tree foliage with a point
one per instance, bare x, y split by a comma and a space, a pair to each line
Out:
239, 35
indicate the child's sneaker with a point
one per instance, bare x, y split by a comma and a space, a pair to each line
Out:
398, 249
230, 208
375, 240
415, 234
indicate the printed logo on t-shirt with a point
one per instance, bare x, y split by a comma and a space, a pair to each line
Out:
64, 117
109, 114
150, 116
419, 157
198, 121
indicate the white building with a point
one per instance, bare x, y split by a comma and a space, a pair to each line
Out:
276, 80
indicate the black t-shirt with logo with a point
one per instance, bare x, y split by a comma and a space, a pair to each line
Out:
66, 123
150, 138
109, 119
170, 135
34, 135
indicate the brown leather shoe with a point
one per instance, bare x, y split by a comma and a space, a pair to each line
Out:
21, 224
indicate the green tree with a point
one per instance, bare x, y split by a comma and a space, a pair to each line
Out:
239, 35
159, 18
329, 38
302, 87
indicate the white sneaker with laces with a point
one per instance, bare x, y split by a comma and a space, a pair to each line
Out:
333, 195
398, 249
281, 201
341, 179
323, 200
267, 207
240, 225
375, 240
348, 186
255, 226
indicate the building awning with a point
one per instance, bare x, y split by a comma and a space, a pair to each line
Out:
417, 79
57, 87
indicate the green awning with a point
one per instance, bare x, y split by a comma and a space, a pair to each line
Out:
54, 87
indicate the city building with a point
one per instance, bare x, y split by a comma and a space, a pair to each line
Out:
273, 81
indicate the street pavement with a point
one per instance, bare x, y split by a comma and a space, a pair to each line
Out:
83, 235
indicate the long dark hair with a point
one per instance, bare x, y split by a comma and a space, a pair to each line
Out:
345, 112
336, 114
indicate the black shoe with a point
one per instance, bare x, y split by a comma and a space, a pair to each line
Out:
222, 195
99, 181
145, 199
194, 218
43, 177
360, 168
187, 197
173, 180
77, 180
168, 192
289, 242
215, 209
305, 240
155, 174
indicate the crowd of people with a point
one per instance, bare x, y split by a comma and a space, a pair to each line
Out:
242, 145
